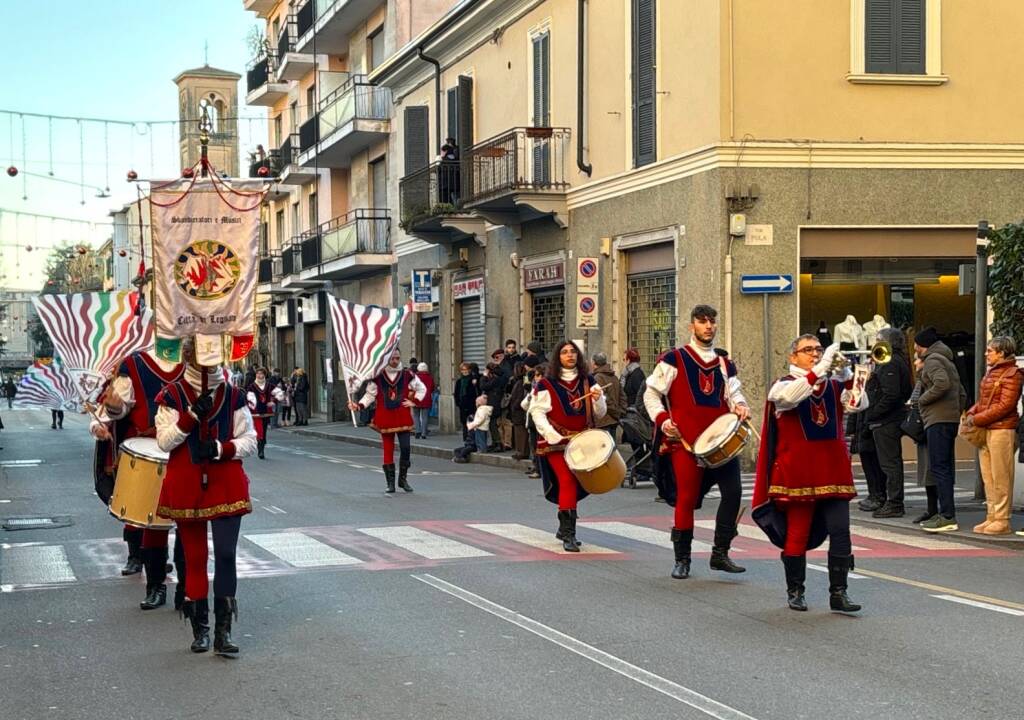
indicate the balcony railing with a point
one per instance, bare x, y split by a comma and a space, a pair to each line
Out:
258, 73
356, 99
308, 134
289, 151
289, 264
269, 269
525, 159
434, 190
366, 230
286, 40
272, 162
304, 18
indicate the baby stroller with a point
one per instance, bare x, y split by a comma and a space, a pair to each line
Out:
638, 432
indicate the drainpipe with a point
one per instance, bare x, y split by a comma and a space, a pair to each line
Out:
437, 94
580, 90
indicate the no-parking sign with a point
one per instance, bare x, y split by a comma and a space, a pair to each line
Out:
587, 275
586, 311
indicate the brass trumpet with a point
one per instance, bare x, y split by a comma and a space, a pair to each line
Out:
880, 353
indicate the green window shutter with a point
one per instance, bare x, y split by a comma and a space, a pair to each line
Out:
894, 36
644, 82
417, 138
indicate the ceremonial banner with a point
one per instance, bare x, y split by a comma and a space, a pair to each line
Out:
92, 332
205, 251
47, 387
365, 336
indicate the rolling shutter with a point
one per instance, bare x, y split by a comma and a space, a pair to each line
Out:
473, 345
894, 36
644, 83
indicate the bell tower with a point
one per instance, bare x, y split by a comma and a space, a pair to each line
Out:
220, 89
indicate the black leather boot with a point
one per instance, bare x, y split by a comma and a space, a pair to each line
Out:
389, 476
560, 535
567, 530
179, 569
838, 570
133, 565
260, 444
223, 609
403, 472
796, 575
156, 573
682, 541
720, 551
198, 613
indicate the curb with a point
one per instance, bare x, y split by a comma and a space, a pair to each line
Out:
1009, 542
426, 450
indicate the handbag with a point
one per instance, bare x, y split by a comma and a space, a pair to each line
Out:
973, 434
913, 426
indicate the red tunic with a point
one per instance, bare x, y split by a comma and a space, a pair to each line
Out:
803, 456
182, 496
566, 418
264, 409
390, 415
697, 396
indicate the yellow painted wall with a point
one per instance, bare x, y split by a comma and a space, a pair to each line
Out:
792, 58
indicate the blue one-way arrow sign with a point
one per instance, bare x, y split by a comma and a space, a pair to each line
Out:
766, 284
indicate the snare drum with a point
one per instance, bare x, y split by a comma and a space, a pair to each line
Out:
140, 473
723, 440
593, 459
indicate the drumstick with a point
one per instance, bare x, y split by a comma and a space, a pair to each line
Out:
580, 399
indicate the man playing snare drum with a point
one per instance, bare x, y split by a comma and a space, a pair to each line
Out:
688, 390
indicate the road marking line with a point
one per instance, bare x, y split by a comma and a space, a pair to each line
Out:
16, 463
641, 533
685, 695
982, 605
941, 590
35, 565
543, 539
423, 543
923, 541
822, 568
274, 510
300, 550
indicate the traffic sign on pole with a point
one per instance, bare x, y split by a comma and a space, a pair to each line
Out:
766, 284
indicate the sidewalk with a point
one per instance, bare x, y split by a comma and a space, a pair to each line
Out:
970, 512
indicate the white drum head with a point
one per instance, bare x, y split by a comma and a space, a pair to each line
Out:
588, 450
145, 448
716, 432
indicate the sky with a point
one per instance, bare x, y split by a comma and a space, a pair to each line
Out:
108, 60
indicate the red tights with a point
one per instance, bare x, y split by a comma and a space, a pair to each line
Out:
688, 477
798, 527
388, 445
566, 481
192, 534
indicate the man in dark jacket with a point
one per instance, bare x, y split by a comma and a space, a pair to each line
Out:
888, 390
494, 383
615, 397
942, 399
535, 349
511, 357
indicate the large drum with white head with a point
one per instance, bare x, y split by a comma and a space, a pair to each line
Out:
140, 475
721, 441
593, 459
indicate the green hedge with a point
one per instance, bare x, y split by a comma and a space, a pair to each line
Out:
1006, 281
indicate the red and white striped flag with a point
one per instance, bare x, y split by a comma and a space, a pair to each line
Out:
366, 336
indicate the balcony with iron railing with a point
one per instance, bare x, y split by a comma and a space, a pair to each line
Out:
431, 202
349, 120
355, 244
268, 167
292, 173
291, 64
328, 24
262, 87
519, 176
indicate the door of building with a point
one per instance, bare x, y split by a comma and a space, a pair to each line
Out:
429, 350
473, 342
316, 351
651, 314
548, 317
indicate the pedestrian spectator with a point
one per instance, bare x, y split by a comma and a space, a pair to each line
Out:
633, 378
539, 370
413, 362
480, 422
10, 390
535, 349
250, 376
465, 394
996, 413
614, 396
421, 412
237, 378
300, 396
274, 380
286, 402
519, 390
942, 399
888, 389
449, 173
56, 419
925, 478
511, 357
492, 384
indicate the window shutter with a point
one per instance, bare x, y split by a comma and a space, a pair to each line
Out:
910, 55
542, 81
417, 138
465, 137
644, 83
453, 115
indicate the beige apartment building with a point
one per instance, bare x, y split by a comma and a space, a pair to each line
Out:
859, 141
327, 225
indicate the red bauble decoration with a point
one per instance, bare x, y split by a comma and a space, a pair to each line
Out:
188, 172
82, 250
263, 171
132, 176
28, 248
122, 253
12, 171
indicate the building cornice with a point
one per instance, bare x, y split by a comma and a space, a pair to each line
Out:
802, 155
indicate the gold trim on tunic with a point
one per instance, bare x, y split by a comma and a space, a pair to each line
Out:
779, 490
234, 508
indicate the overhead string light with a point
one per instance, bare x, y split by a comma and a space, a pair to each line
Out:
106, 156
152, 155
81, 162
50, 129
24, 154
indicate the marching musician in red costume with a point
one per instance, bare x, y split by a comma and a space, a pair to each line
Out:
206, 434
804, 477
687, 391
129, 410
262, 397
395, 390
564, 403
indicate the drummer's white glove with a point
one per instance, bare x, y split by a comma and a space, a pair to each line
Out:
822, 367
554, 438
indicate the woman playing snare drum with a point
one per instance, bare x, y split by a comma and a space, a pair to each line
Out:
565, 402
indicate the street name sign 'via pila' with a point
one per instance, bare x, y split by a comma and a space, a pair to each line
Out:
766, 284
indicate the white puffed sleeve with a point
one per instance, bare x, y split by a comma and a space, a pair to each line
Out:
540, 406
658, 383
168, 434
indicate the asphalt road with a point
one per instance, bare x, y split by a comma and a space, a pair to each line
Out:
453, 602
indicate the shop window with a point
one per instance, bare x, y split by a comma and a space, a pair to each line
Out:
651, 314
548, 318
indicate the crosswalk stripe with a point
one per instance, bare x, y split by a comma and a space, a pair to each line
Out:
543, 539
300, 550
923, 542
423, 543
823, 569
979, 604
35, 565
749, 532
641, 533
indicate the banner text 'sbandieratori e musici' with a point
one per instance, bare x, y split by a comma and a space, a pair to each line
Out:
205, 253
